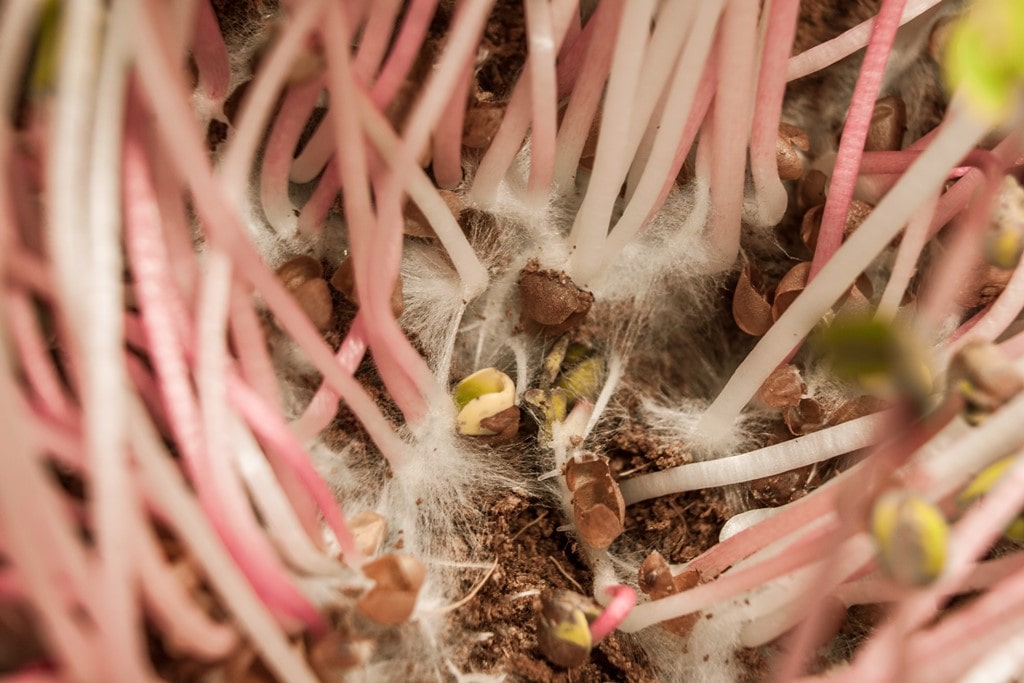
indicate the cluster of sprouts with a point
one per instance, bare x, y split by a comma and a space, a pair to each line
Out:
213, 218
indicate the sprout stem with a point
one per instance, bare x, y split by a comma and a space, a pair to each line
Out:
771, 89
855, 132
210, 55
782, 457
586, 92
373, 43
731, 119
164, 488
277, 156
926, 174
846, 43
543, 97
509, 139
591, 224
447, 137
623, 600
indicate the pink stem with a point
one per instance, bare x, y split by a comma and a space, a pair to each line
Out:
146, 387
177, 232
277, 155
623, 601
176, 126
374, 41
447, 140
572, 33
182, 623
36, 361
574, 55
316, 154
995, 318
999, 607
33, 674
806, 549
586, 91
250, 346
314, 211
210, 54
509, 139
403, 371
29, 271
230, 515
403, 55
324, 405
41, 546
855, 131
771, 88
380, 258
845, 44
1014, 346
963, 253
915, 238
504, 146
748, 541
270, 426
972, 536
543, 96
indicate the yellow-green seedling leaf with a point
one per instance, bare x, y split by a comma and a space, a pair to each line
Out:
576, 353
1003, 248
563, 627
1004, 238
46, 56
880, 357
483, 394
984, 482
911, 537
584, 379
550, 406
1015, 532
553, 362
985, 57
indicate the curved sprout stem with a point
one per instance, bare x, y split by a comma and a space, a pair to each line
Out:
788, 455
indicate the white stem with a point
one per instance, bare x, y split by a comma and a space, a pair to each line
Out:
958, 136
1005, 663
670, 132
781, 457
275, 510
615, 370
116, 502
70, 147
671, 31
590, 228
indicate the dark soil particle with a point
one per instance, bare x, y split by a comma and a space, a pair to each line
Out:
532, 556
